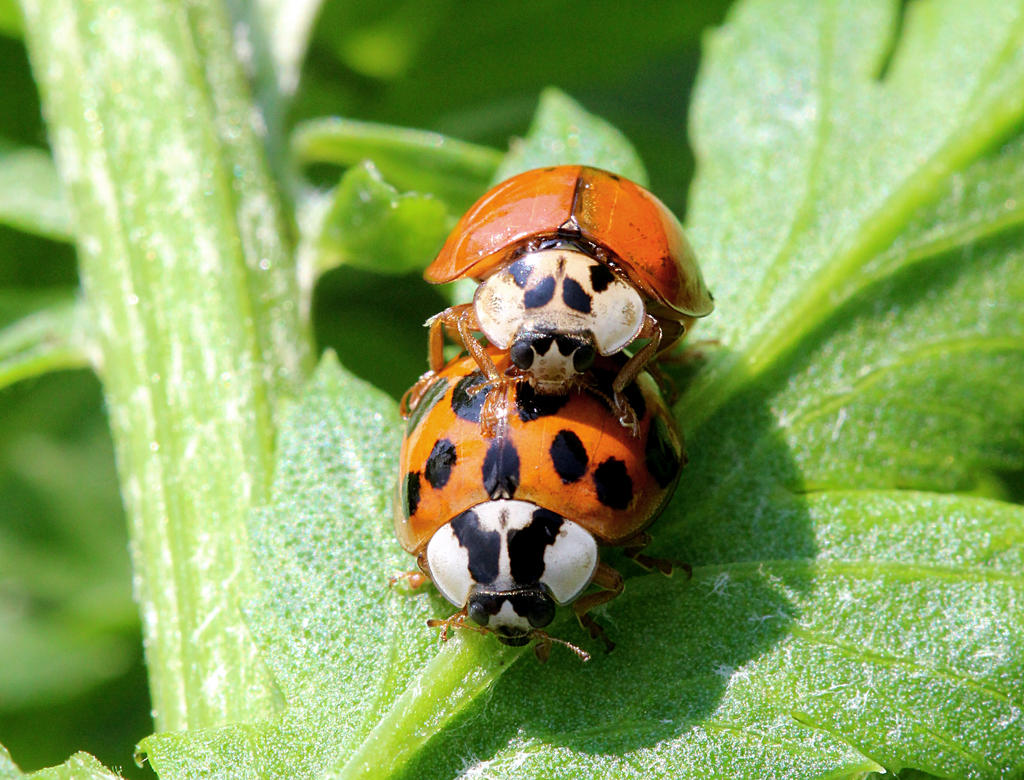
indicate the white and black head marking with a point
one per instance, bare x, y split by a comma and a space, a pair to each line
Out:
554, 310
510, 563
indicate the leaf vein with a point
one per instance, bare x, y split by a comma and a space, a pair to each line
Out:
858, 653
922, 353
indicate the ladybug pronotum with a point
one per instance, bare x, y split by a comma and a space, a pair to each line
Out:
573, 262
509, 527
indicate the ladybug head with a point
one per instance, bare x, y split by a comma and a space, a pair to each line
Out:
555, 310
512, 614
510, 563
552, 359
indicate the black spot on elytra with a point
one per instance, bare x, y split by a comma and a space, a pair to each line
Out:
600, 277
660, 454
412, 492
613, 483
465, 403
526, 547
540, 294
520, 272
440, 464
531, 405
574, 296
569, 456
482, 547
500, 471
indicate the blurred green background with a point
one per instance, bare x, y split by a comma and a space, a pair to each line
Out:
71, 670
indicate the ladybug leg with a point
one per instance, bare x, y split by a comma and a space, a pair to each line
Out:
651, 330
494, 412
411, 397
465, 323
542, 647
605, 577
665, 383
453, 623
435, 342
692, 352
461, 319
666, 566
435, 359
415, 579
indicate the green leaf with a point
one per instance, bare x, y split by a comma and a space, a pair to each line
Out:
10, 18
80, 766
412, 160
564, 133
369, 224
30, 193
896, 644
830, 165
47, 339
853, 608
8, 769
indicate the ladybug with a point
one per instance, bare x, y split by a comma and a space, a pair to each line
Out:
573, 262
510, 526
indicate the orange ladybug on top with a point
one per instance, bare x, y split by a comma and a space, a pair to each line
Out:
573, 262
510, 526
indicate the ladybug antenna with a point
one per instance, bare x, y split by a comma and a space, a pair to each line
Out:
543, 647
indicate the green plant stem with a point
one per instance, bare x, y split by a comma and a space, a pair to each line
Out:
192, 293
460, 673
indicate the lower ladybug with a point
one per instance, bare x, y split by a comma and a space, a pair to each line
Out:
510, 526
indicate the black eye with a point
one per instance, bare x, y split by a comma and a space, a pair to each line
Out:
583, 358
540, 610
481, 607
521, 354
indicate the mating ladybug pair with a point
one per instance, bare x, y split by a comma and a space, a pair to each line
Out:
522, 458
